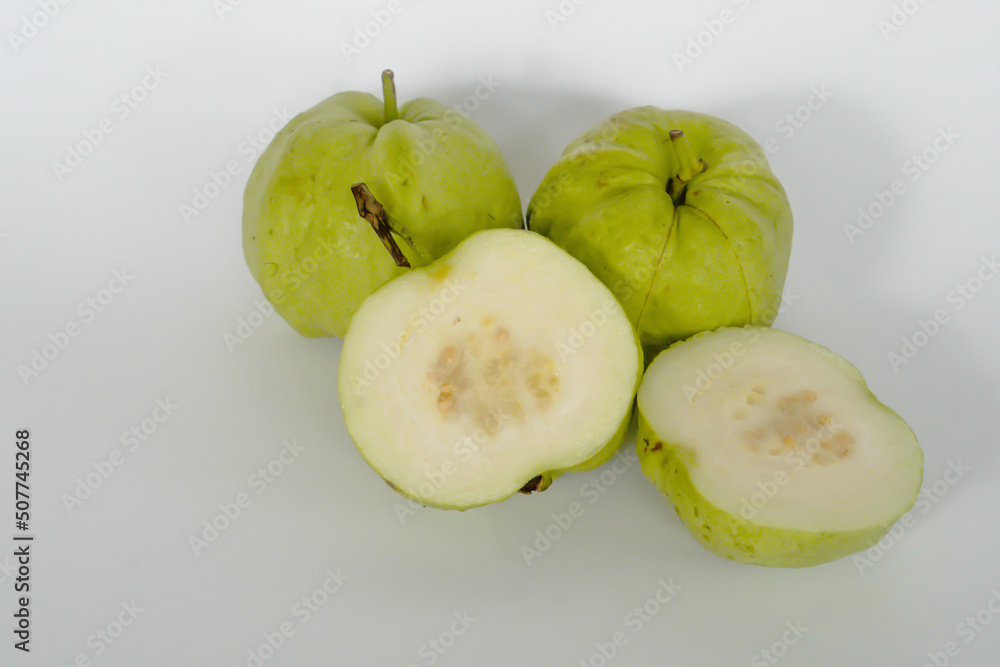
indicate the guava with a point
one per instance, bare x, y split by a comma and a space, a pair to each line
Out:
772, 448
439, 176
679, 214
492, 370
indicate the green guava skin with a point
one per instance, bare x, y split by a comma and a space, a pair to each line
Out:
717, 259
439, 176
730, 536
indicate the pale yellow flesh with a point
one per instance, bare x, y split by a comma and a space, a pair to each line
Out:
776, 445
505, 360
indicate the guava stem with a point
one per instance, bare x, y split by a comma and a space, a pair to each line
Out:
389, 95
687, 164
374, 213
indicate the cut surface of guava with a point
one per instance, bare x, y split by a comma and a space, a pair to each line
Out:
772, 448
495, 368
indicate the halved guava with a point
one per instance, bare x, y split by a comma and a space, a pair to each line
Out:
492, 370
772, 448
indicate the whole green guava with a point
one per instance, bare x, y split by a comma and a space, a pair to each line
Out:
679, 214
439, 176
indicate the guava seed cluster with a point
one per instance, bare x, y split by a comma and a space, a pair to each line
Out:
791, 423
490, 376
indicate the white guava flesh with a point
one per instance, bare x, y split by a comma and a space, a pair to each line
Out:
492, 370
772, 448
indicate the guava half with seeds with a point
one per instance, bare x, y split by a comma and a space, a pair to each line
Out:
679, 214
772, 448
494, 369
438, 174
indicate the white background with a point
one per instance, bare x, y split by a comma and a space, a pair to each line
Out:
886, 97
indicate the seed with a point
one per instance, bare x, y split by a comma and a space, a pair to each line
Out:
809, 396
824, 419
